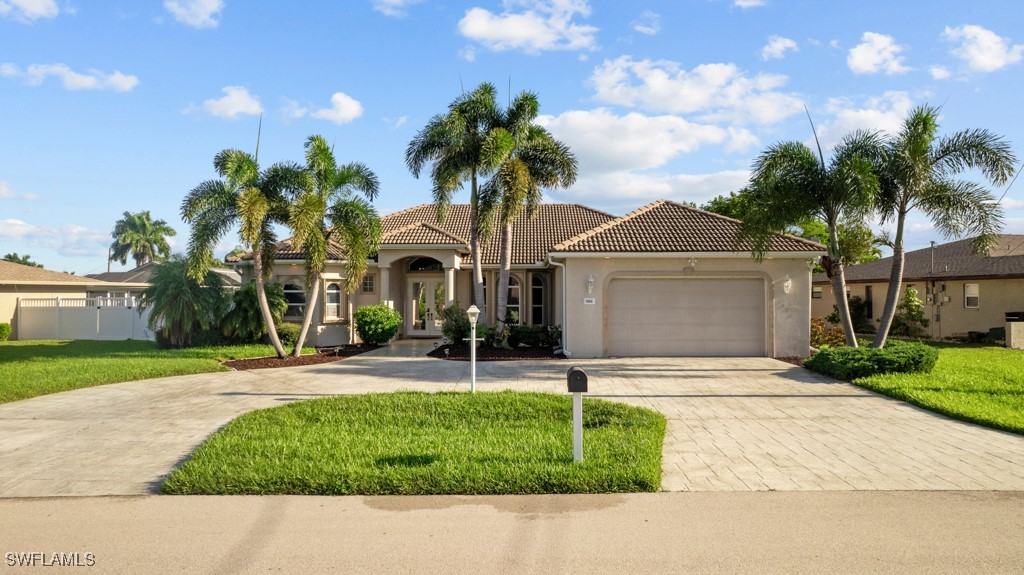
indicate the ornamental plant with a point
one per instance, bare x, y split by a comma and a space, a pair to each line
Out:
377, 324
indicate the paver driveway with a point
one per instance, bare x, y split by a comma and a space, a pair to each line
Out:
734, 424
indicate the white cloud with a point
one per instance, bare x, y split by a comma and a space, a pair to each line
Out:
885, 113
721, 92
401, 121
343, 109
7, 192
292, 110
393, 8
982, 49
91, 79
627, 189
195, 13
939, 72
648, 23
776, 48
1012, 204
237, 101
749, 3
468, 54
540, 25
29, 10
67, 240
876, 53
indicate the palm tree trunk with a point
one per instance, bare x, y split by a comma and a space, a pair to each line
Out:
838, 280
307, 318
475, 248
261, 297
501, 306
895, 279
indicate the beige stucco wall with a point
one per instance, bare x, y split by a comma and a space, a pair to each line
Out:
996, 297
9, 295
788, 321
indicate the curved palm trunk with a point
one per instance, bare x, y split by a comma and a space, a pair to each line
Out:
261, 297
307, 318
475, 248
838, 281
501, 306
895, 279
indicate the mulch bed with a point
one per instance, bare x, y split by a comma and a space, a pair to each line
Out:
797, 361
488, 353
324, 355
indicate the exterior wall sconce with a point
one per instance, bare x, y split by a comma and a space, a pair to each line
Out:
590, 284
787, 284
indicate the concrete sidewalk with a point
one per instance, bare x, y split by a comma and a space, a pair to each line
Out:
797, 532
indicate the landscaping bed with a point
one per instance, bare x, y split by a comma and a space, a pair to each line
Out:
428, 443
322, 356
491, 353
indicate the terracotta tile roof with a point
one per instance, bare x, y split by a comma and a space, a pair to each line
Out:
144, 275
422, 233
666, 226
532, 238
952, 260
286, 252
17, 273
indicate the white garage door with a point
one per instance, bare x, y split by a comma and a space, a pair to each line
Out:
686, 317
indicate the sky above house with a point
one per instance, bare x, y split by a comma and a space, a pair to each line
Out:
115, 106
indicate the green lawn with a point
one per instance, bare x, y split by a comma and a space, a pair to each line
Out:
420, 443
32, 368
979, 383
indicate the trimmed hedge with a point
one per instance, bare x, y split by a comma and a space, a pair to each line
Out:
849, 363
5, 331
288, 333
377, 324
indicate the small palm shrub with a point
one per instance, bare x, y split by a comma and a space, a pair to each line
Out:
5, 331
243, 323
181, 306
377, 324
849, 363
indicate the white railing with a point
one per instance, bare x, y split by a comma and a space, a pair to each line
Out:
102, 318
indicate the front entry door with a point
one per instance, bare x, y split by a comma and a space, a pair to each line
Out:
426, 302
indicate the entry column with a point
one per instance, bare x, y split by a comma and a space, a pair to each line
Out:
385, 286
449, 286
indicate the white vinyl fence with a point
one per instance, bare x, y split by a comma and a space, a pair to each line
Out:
108, 318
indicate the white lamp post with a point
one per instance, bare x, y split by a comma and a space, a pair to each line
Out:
474, 313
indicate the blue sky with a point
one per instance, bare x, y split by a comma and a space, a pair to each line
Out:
121, 105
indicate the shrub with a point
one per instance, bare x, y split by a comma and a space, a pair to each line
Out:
181, 305
909, 320
377, 324
288, 333
825, 335
208, 338
455, 324
531, 335
849, 363
5, 331
244, 322
858, 313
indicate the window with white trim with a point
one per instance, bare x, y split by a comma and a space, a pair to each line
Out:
295, 295
512, 306
972, 296
537, 301
332, 299
816, 292
367, 285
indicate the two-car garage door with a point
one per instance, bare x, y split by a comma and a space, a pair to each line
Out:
686, 317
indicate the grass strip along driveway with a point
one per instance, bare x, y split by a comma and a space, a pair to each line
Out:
418, 443
32, 368
982, 384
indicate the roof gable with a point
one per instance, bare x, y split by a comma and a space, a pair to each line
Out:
17, 273
666, 226
421, 233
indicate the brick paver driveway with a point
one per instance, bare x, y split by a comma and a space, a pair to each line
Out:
734, 424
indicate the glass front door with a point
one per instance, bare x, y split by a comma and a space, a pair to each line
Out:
426, 302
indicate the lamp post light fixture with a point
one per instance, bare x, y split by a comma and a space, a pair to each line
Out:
474, 314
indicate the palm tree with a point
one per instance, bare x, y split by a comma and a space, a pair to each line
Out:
327, 210
454, 142
919, 172
252, 199
137, 234
180, 303
25, 260
793, 184
531, 160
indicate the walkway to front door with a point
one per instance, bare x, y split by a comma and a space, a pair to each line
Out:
426, 299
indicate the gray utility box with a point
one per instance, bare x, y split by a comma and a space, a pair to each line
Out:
1015, 329
577, 380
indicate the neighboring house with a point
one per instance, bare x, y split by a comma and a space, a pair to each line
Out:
962, 291
134, 282
664, 280
28, 282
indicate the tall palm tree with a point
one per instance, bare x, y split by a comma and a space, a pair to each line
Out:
530, 160
327, 209
919, 172
792, 184
252, 199
454, 143
138, 235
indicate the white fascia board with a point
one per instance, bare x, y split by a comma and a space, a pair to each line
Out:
704, 255
453, 247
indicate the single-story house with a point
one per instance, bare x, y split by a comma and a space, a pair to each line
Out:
664, 280
962, 291
18, 281
135, 281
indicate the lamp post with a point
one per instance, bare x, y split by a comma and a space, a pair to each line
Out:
474, 313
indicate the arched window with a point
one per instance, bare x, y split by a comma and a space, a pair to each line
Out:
425, 265
537, 301
333, 301
512, 311
296, 298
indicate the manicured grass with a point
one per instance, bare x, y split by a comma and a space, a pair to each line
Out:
31, 368
979, 383
420, 443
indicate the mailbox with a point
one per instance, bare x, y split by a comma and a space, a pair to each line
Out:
577, 380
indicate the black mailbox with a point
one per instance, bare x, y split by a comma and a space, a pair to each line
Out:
577, 379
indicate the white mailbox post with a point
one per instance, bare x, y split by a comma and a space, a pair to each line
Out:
577, 383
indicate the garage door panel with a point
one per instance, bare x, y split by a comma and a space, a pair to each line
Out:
686, 317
